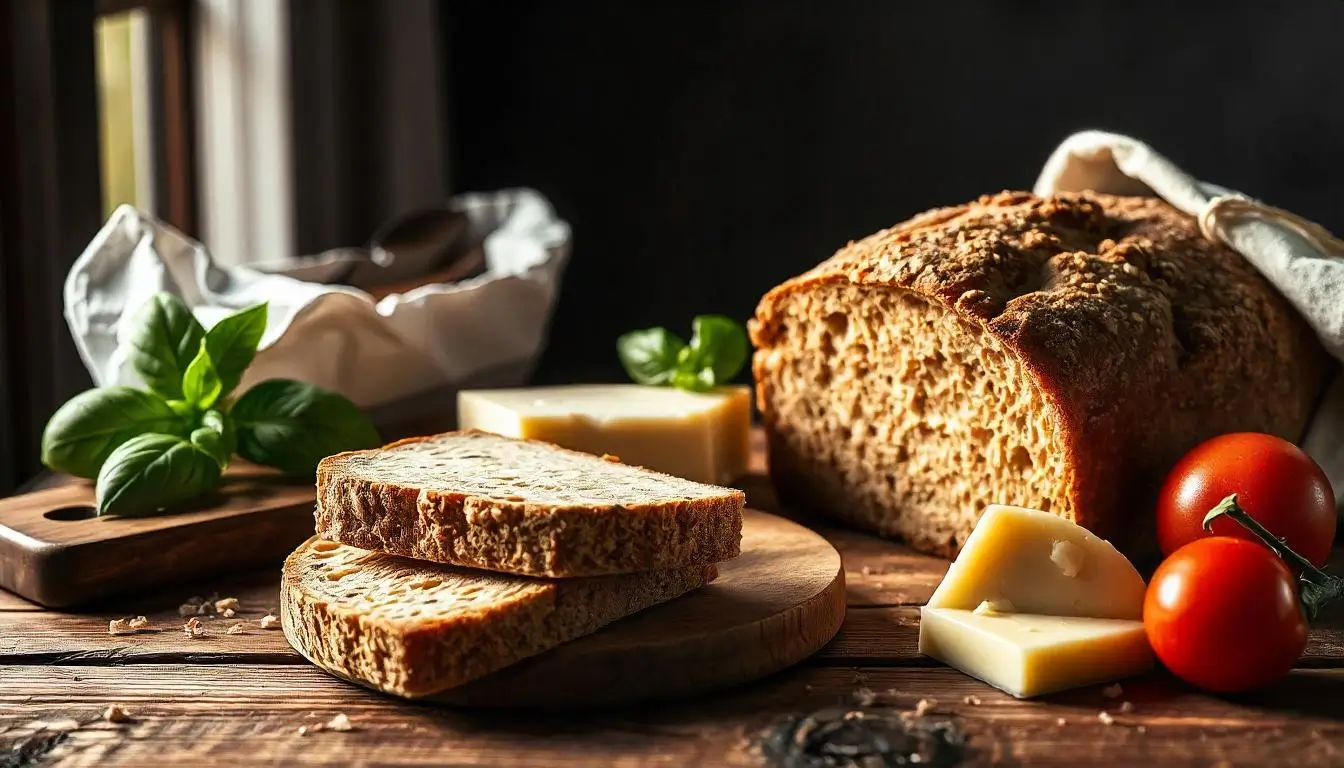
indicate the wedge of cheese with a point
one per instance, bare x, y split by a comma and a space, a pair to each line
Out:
1031, 655
1036, 604
701, 436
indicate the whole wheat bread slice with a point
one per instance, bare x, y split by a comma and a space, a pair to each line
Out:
521, 506
413, 629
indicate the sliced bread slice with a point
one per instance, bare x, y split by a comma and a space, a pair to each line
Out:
521, 506
413, 629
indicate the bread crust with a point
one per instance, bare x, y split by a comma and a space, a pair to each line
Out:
331, 614
1144, 337
497, 534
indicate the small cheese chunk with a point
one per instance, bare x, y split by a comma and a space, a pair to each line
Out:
698, 436
1030, 655
1040, 563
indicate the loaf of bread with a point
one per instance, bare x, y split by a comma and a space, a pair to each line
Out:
1058, 353
414, 629
481, 500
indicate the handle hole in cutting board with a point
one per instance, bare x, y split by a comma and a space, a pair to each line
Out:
66, 514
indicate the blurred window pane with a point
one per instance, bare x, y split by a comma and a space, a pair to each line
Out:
124, 116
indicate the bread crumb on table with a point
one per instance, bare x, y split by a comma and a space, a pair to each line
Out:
236, 629
1105, 717
1061, 721
339, 723
864, 697
194, 628
127, 626
115, 714
1126, 707
226, 606
270, 621
974, 701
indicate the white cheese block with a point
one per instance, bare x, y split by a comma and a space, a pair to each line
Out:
1031, 655
698, 436
1040, 563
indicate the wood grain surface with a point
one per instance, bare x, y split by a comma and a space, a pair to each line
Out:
55, 551
241, 699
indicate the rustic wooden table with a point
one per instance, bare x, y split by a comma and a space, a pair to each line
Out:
242, 698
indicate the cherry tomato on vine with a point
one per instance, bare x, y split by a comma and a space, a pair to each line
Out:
1275, 481
1222, 613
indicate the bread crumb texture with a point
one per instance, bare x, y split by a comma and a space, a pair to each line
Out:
1051, 352
412, 628
522, 506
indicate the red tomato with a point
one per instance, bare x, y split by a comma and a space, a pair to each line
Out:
1275, 482
1222, 613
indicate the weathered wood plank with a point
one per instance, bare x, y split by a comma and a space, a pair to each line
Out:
246, 713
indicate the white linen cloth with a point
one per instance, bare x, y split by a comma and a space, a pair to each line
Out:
337, 336
1303, 260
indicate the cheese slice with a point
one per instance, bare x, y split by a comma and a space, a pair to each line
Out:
1030, 655
1040, 563
701, 436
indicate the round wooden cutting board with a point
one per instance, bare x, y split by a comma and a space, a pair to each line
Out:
772, 606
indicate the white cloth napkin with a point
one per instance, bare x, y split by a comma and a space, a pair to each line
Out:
335, 336
1301, 259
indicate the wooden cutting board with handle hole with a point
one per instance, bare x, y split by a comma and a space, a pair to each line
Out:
56, 551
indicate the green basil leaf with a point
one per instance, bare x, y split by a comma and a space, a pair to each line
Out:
201, 385
151, 472
718, 349
650, 356
164, 336
212, 443
87, 429
223, 424
232, 344
694, 381
291, 425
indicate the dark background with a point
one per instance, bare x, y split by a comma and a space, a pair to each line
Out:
703, 152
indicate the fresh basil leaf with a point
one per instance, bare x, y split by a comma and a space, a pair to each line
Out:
650, 356
164, 337
292, 425
150, 472
186, 410
216, 436
694, 381
200, 384
718, 349
212, 443
86, 430
223, 424
232, 344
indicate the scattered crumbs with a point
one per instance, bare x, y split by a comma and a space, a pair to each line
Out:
194, 628
340, 723
127, 626
974, 701
270, 621
1113, 691
864, 697
304, 730
1142, 729
923, 706
1105, 717
866, 570
236, 629
1061, 721
226, 604
1126, 707
115, 714
228, 613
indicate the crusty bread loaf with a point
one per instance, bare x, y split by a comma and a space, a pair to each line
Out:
413, 629
1057, 353
522, 506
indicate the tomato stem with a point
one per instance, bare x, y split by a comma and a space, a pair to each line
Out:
1316, 588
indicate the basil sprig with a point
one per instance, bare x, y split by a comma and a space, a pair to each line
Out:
153, 448
657, 357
